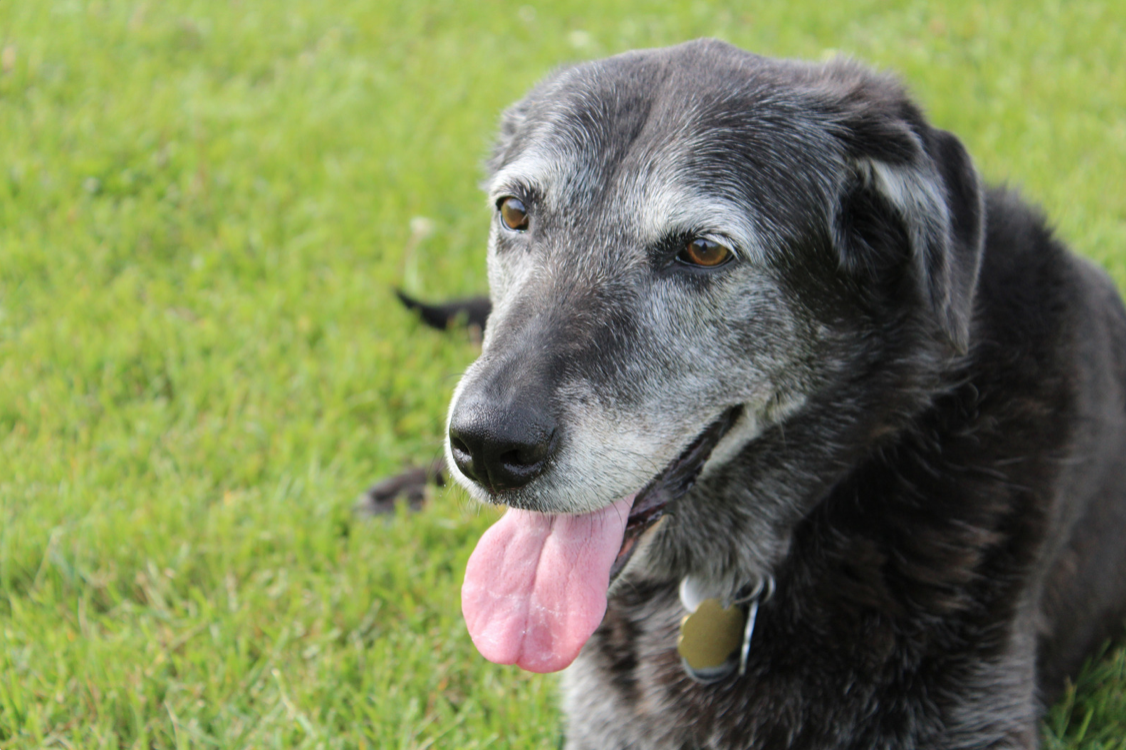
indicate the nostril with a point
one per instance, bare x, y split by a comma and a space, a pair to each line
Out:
528, 455
462, 455
517, 459
459, 446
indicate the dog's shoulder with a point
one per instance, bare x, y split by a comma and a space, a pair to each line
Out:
1029, 279
1048, 323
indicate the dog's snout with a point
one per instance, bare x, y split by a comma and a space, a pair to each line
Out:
501, 449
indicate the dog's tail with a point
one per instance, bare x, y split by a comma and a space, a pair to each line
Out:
471, 311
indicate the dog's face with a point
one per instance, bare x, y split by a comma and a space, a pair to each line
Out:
634, 300
682, 231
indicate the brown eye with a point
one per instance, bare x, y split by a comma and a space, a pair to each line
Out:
702, 252
514, 214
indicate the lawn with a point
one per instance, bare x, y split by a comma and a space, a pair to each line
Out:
203, 207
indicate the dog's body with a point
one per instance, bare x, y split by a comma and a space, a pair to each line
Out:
930, 458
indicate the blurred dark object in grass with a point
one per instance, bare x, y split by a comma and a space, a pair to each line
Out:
471, 312
408, 486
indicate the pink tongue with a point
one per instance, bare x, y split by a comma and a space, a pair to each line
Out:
535, 587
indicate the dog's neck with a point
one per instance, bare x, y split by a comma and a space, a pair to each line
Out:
737, 525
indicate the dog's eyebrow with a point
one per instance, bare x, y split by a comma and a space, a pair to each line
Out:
672, 210
529, 174
520, 187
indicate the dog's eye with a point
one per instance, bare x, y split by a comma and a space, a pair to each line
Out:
513, 213
702, 252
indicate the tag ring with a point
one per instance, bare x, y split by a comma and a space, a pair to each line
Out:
764, 589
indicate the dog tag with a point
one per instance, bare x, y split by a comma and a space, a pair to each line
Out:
710, 640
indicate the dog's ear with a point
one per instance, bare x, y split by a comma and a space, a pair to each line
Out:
911, 184
511, 120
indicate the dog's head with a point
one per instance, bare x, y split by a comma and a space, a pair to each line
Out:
682, 231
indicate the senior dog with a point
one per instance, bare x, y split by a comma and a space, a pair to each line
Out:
807, 439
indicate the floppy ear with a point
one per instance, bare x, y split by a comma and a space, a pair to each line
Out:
511, 120
913, 184
515, 117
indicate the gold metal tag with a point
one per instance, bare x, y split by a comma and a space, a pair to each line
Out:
711, 635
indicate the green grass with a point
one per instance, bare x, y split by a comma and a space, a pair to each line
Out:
203, 206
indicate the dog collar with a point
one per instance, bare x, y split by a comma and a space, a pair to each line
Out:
715, 640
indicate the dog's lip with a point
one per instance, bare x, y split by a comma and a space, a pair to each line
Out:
672, 483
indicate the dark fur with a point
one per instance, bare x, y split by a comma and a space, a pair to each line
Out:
957, 570
943, 510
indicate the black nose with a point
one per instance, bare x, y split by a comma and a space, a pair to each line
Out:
501, 449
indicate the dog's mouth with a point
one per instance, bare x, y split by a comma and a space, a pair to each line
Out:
536, 585
679, 476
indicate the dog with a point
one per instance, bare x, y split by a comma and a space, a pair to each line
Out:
807, 438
